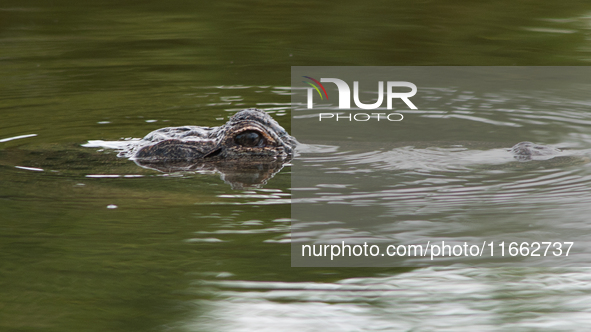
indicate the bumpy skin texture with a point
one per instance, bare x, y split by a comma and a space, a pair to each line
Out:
524, 151
250, 134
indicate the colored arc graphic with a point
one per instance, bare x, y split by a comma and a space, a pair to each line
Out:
315, 87
320, 84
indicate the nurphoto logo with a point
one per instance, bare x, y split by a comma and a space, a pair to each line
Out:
345, 93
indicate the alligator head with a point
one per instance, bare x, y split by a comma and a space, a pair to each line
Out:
248, 150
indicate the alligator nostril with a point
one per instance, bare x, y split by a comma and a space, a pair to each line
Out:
212, 153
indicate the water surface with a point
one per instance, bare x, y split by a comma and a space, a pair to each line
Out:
92, 242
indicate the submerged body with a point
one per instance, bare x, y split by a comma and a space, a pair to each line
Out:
250, 135
525, 151
251, 148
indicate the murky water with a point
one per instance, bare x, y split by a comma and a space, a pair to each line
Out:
92, 242
410, 183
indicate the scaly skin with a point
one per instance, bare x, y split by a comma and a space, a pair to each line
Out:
250, 134
247, 150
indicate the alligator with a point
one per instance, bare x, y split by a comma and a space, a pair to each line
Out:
247, 150
524, 151
250, 138
538, 155
249, 135
252, 147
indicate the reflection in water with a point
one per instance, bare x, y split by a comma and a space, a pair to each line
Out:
238, 174
73, 71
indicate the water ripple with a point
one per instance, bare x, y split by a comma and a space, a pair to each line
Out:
431, 299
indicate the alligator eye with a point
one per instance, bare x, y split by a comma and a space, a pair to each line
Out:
248, 138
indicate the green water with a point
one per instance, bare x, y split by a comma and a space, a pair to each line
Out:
186, 252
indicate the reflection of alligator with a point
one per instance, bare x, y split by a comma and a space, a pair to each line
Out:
248, 150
